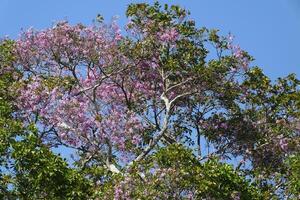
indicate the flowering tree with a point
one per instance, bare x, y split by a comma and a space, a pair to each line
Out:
158, 107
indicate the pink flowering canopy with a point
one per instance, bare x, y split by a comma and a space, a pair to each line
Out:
118, 96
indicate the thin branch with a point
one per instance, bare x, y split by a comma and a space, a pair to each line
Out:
179, 96
179, 84
156, 139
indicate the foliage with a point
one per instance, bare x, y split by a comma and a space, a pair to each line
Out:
42, 175
29, 169
152, 113
293, 183
175, 173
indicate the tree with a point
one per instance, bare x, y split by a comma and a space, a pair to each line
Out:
28, 168
8, 127
141, 104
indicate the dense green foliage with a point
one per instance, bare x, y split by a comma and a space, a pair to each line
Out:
175, 173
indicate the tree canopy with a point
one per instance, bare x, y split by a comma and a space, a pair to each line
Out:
156, 111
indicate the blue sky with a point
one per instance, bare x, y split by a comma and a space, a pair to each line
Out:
268, 29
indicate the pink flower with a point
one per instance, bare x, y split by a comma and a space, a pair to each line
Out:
283, 143
169, 35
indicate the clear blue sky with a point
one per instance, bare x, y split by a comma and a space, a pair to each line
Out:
268, 29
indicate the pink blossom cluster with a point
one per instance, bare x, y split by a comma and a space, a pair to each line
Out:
64, 46
282, 142
75, 119
238, 53
169, 35
121, 192
86, 104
